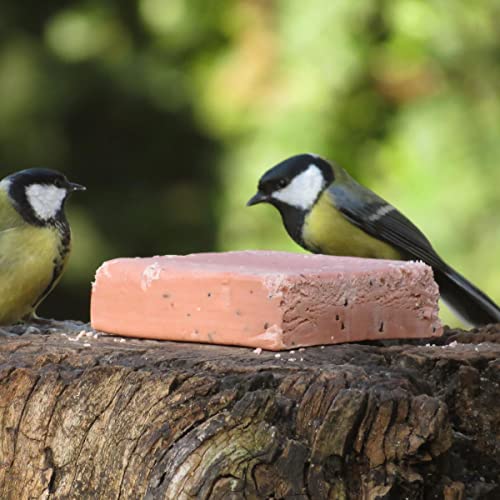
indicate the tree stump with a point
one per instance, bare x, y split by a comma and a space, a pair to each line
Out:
95, 416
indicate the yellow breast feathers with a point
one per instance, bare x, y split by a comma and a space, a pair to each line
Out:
329, 232
29, 255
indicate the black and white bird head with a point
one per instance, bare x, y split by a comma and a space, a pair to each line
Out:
295, 183
39, 194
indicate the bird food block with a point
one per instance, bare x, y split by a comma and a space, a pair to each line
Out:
267, 300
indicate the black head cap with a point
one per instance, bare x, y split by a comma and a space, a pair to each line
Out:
282, 174
38, 194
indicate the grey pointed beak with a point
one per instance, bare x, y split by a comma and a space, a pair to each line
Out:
73, 186
257, 198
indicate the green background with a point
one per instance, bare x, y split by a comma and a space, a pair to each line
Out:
169, 111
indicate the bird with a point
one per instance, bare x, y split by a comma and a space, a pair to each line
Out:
326, 211
35, 240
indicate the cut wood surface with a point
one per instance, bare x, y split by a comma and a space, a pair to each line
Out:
94, 416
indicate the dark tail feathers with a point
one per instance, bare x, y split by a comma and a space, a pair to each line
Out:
468, 302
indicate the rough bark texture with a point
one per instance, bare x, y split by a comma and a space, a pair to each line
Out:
108, 418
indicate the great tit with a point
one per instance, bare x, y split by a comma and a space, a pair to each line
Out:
35, 239
326, 211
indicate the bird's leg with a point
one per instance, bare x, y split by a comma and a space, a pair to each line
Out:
47, 325
36, 320
7, 333
44, 324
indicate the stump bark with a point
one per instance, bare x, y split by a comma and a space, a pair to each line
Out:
111, 418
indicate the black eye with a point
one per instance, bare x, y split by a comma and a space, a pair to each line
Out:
282, 183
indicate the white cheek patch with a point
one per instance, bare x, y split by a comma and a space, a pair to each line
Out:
304, 189
46, 200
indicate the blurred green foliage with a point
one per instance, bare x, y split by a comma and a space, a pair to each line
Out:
169, 111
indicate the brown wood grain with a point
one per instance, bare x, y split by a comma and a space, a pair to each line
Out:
109, 418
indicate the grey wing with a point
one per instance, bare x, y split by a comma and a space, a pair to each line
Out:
378, 218
375, 216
